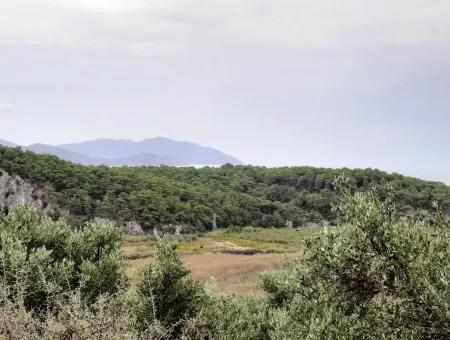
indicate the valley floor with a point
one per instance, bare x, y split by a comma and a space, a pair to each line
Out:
233, 260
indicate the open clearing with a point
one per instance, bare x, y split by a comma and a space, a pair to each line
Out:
233, 259
231, 273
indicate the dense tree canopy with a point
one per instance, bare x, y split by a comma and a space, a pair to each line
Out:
239, 195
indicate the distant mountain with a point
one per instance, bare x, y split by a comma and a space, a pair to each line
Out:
183, 153
143, 159
45, 149
120, 152
7, 143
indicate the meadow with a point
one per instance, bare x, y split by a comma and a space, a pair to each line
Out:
233, 259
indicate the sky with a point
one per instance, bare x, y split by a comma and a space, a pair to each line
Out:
354, 83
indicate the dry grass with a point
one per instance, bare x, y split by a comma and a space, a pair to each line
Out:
268, 239
234, 259
232, 273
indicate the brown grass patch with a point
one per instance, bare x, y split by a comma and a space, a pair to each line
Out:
233, 273
234, 259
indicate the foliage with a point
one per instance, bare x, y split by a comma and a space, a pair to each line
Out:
166, 292
106, 318
377, 274
240, 317
71, 318
239, 195
48, 257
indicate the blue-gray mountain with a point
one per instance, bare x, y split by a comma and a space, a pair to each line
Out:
120, 152
7, 143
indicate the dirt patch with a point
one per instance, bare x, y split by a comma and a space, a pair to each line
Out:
225, 246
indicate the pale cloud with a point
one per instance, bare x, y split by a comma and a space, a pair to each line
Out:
6, 107
323, 24
100, 5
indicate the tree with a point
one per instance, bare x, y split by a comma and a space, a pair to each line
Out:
43, 258
166, 292
376, 275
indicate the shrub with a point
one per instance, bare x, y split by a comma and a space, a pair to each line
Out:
166, 293
15, 321
48, 257
70, 318
98, 260
375, 275
107, 318
239, 317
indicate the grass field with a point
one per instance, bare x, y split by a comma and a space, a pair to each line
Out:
267, 239
234, 259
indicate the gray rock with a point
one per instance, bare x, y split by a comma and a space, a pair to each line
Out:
214, 222
132, 228
15, 190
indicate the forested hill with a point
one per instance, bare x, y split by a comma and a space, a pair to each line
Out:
239, 195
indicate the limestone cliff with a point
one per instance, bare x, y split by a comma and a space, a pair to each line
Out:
15, 190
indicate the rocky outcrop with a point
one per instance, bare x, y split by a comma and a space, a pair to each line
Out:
132, 228
15, 190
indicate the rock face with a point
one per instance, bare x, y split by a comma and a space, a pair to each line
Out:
132, 228
15, 190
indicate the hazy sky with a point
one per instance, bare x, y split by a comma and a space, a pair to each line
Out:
353, 83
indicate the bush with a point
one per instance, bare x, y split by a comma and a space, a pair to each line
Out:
239, 317
15, 321
48, 257
166, 293
107, 318
70, 318
375, 275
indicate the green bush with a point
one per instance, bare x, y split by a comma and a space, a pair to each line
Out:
376, 275
239, 317
45, 258
166, 292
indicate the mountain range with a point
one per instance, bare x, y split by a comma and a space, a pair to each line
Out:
6, 143
122, 152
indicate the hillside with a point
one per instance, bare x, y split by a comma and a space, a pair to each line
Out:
239, 195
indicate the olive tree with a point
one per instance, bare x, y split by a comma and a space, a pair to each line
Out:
166, 292
40, 258
376, 274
